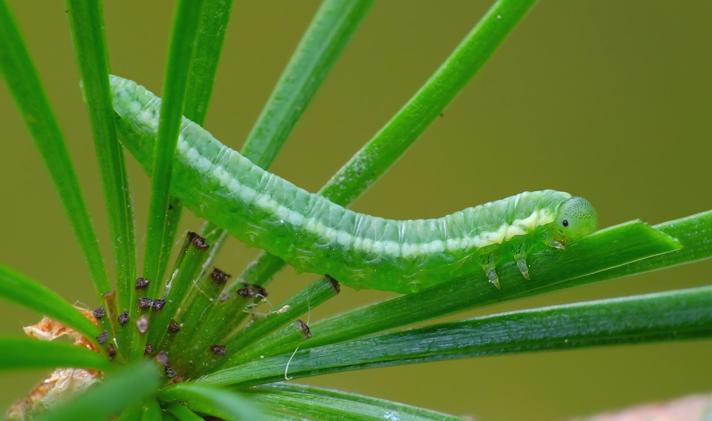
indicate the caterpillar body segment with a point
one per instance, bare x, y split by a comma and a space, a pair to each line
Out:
315, 235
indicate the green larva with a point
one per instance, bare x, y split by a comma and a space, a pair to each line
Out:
315, 235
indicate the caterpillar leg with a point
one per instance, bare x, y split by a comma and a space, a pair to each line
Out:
520, 258
556, 244
490, 270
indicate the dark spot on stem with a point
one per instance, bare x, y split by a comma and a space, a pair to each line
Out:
102, 337
145, 303
197, 241
159, 304
173, 326
304, 328
111, 351
123, 317
99, 313
219, 277
148, 350
334, 283
142, 283
218, 350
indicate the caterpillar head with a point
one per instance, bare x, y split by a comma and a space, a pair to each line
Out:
576, 218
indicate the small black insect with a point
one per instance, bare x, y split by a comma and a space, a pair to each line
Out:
219, 276
251, 291
111, 351
148, 350
145, 303
218, 350
99, 313
102, 338
142, 283
123, 317
162, 358
197, 241
306, 331
159, 304
173, 326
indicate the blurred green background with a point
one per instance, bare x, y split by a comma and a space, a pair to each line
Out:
606, 99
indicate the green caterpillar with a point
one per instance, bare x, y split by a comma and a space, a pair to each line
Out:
315, 235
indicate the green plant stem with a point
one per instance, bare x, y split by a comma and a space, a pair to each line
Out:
182, 413
90, 45
208, 48
301, 303
185, 25
322, 43
174, 211
189, 266
26, 88
198, 305
151, 411
694, 232
16, 353
656, 317
217, 402
121, 390
382, 151
319, 403
604, 249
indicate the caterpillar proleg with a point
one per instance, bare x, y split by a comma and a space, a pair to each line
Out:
315, 235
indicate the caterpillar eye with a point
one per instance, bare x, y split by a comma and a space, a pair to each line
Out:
565, 222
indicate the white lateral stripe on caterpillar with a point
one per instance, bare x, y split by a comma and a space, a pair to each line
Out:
346, 239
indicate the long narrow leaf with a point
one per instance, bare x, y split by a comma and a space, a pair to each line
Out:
31, 353
212, 25
605, 249
26, 88
214, 18
185, 25
212, 401
694, 232
330, 31
326, 404
182, 413
673, 315
121, 390
151, 411
24, 291
89, 43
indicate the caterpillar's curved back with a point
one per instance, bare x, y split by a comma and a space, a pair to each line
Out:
315, 235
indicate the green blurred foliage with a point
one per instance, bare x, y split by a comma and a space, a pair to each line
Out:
608, 100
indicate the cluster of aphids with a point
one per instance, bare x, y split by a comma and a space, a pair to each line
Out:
145, 304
